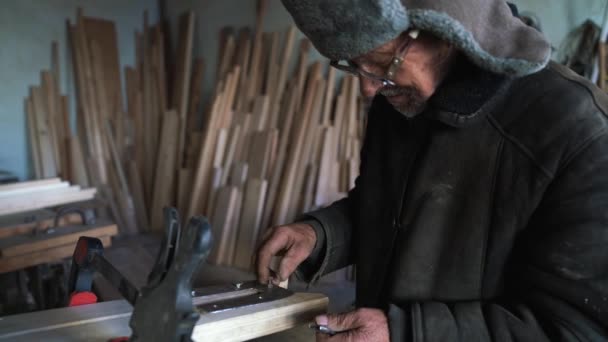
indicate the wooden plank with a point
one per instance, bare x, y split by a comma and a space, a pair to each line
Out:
256, 59
33, 184
7, 194
19, 245
279, 165
235, 136
103, 321
50, 101
33, 137
137, 192
89, 98
308, 130
249, 223
184, 181
260, 113
329, 97
78, 172
260, 153
196, 94
203, 168
64, 108
165, 170
238, 174
284, 65
38, 202
214, 186
123, 192
324, 184
29, 222
9, 264
103, 32
49, 168
183, 75
224, 221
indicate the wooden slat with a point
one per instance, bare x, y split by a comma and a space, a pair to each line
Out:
196, 94
51, 103
29, 222
249, 225
224, 221
103, 32
137, 192
78, 172
38, 202
275, 179
33, 137
44, 136
29, 184
324, 183
183, 75
165, 170
58, 253
19, 245
7, 194
122, 191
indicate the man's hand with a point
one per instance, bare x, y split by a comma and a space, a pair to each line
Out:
295, 242
360, 325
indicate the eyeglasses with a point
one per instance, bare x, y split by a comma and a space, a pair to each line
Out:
396, 62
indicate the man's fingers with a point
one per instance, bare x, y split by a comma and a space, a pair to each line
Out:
340, 322
290, 261
270, 248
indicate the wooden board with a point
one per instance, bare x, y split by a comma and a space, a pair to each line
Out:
58, 253
103, 32
29, 184
249, 225
165, 170
40, 189
19, 245
37, 202
49, 168
223, 222
103, 321
38, 220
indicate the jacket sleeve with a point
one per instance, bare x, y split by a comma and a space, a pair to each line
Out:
556, 287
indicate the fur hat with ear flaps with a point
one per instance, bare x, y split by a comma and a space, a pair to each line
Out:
484, 30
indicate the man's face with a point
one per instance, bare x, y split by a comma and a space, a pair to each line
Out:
424, 67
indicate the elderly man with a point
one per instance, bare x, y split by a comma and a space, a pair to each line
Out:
481, 208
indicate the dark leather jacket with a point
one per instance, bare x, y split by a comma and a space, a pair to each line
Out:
484, 225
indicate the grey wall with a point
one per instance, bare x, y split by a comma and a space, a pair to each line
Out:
558, 17
27, 28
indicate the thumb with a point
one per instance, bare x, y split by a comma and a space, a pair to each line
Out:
339, 322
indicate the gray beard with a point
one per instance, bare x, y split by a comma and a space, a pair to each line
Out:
415, 102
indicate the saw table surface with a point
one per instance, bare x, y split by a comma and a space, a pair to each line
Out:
102, 321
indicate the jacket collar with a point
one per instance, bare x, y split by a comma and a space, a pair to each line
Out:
466, 95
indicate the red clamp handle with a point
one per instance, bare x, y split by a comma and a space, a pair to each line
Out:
82, 298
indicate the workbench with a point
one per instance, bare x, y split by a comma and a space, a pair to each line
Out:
103, 321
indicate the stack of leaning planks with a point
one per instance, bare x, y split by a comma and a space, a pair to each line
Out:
55, 150
279, 135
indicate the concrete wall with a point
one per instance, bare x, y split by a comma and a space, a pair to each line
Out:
27, 28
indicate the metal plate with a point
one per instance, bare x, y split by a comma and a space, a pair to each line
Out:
222, 298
